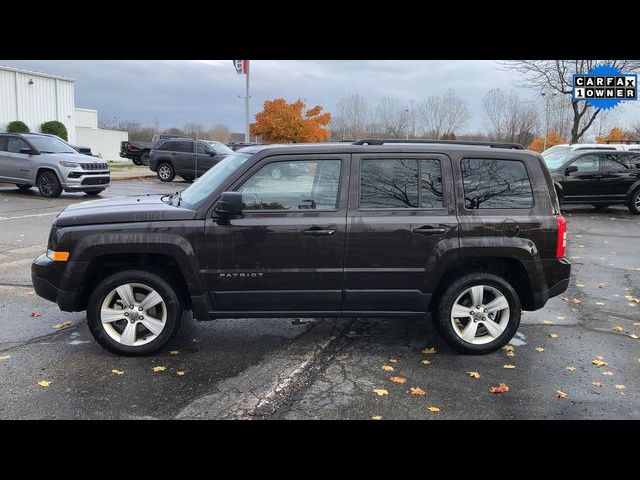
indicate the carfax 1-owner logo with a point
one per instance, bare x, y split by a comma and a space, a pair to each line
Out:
605, 86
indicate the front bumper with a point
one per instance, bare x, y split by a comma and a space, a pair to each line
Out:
49, 277
80, 181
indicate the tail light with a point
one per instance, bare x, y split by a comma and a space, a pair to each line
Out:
129, 147
561, 247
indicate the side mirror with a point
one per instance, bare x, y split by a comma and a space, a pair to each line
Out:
570, 169
211, 153
25, 151
229, 206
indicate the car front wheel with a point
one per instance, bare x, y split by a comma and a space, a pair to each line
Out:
49, 185
133, 313
478, 313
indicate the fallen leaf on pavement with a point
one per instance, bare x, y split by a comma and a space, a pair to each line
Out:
634, 336
547, 322
376, 417
426, 362
598, 362
174, 352
553, 335
45, 383
159, 369
393, 360
599, 303
596, 384
502, 388
620, 387
36, 314
560, 394
58, 326
618, 328
579, 285
32, 292
429, 351
180, 373
576, 301
380, 392
398, 379
5, 357
561, 317
539, 349
607, 373
508, 348
473, 374
511, 354
433, 409
117, 372
417, 391
388, 368
571, 369
508, 366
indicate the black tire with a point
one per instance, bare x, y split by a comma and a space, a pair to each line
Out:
442, 318
24, 186
144, 159
49, 185
634, 202
149, 279
94, 192
601, 206
136, 161
166, 172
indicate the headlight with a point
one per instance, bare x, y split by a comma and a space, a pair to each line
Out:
69, 164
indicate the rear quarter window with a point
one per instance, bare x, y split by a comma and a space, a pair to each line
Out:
495, 183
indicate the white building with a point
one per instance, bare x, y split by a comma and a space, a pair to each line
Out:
37, 97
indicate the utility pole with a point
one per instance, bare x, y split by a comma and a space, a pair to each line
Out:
546, 119
246, 106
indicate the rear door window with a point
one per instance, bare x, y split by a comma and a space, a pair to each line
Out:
493, 183
614, 162
15, 144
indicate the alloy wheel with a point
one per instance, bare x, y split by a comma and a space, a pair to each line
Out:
165, 172
133, 314
480, 314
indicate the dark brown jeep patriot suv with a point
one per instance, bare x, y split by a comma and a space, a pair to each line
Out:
468, 233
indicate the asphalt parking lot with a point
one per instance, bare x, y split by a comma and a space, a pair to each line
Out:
577, 358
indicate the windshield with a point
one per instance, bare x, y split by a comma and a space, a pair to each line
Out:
220, 148
214, 177
50, 145
556, 149
556, 160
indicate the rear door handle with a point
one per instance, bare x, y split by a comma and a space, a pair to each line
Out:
429, 230
318, 232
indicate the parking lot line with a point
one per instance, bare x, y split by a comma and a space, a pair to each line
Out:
30, 216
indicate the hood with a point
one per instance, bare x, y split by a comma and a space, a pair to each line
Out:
74, 157
137, 208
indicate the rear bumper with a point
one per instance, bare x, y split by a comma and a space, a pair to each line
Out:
558, 274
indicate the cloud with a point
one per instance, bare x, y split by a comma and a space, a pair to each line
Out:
175, 92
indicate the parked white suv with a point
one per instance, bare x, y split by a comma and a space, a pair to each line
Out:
572, 147
46, 161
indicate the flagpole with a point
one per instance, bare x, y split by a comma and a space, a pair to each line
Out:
246, 107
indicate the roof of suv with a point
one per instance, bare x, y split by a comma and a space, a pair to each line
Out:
363, 146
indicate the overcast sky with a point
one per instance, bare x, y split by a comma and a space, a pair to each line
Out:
176, 92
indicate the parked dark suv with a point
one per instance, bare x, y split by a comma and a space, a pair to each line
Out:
185, 157
470, 233
600, 178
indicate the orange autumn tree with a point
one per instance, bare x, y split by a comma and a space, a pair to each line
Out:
615, 135
282, 122
552, 139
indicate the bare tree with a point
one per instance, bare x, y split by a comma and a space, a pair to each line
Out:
352, 118
557, 76
195, 130
444, 114
219, 133
508, 118
392, 118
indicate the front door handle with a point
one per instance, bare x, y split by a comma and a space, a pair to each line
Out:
429, 230
318, 232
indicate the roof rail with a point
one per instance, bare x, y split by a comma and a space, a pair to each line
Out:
376, 141
628, 142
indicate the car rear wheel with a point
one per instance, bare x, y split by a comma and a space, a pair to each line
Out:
166, 173
634, 202
49, 185
133, 313
23, 186
478, 313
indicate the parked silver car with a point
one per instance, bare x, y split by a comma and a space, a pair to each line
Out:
46, 161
